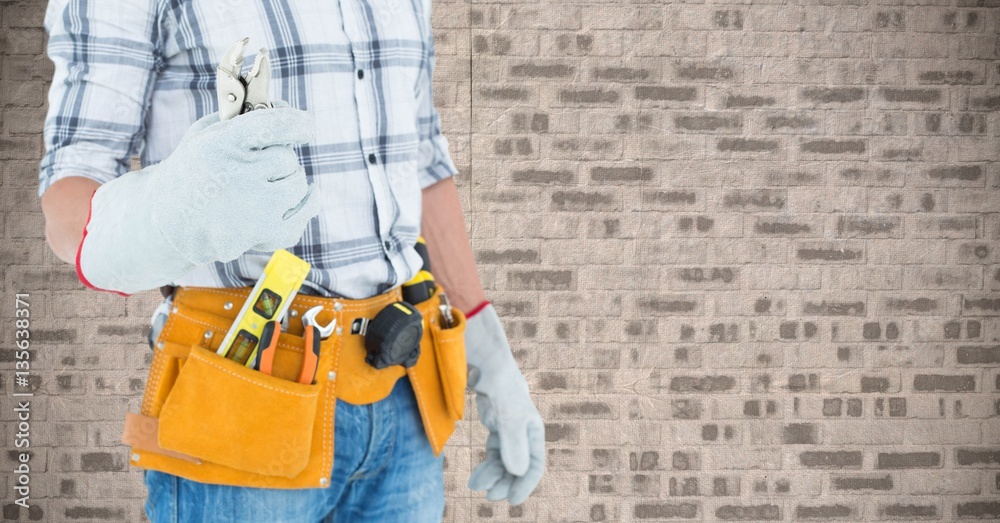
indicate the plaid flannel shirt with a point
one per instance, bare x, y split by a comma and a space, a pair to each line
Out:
131, 77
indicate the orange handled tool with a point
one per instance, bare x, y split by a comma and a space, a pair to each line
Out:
268, 345
310, 355
314, 333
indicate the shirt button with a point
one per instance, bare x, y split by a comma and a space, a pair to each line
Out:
361, 74
388, 245
371, 158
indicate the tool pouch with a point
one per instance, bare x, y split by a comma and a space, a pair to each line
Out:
222, 412
440, 375
449, 347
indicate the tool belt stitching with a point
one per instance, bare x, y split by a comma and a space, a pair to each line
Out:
223, 327
429, 430
244, 378
186, 324
331, 403
156, 370
317, 300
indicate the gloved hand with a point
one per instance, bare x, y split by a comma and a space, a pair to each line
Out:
227, 188
515, 448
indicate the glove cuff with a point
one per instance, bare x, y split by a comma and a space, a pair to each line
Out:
476, 310
487, 351
79, 250
122, 250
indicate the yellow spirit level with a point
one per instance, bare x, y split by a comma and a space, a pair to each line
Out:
269, 300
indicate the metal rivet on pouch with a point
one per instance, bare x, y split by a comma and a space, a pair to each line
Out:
322, 481
135, 457
340, 331
331, 375
159, 345
228, 305
174, 310
209, 334
294, 313
337, 306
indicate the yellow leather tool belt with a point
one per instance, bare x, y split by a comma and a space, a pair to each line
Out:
212, 420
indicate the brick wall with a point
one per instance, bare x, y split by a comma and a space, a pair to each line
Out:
748, 256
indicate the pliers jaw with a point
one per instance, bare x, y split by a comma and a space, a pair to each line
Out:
240, 94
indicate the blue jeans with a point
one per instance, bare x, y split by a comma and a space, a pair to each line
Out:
384, 470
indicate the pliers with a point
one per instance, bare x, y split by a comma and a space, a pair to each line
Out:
240, 94
314, 332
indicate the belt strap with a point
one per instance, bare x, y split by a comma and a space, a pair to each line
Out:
142, 433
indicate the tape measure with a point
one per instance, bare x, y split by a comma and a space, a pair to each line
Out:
393, 336
421, 287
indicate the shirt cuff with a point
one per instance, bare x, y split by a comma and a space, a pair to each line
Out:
441, 166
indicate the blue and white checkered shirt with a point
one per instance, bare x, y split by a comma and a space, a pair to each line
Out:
131, 77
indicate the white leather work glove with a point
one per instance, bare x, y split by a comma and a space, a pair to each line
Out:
515, 448
229, 187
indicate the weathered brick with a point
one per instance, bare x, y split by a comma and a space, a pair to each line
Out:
759, 199
978, 509
535, 70
876, 483
907, 511
543, 177
831, 459
828, 95
507, 256
823, 511
746, 145
833, 146
942, 481
833, 308
909, 95
981, 305
621, 174
959, 174
583, 201
504, 94
740, 101
954, 278
869, 227
785, 226
832, 252
988, 355
583, 410
748, 513
945, 227
670, 199
621, 74
943, 383
702, 73
669, 304
658, 93
541, 280
708, 122
665, 510
588, 96
705, 384
977, 457
908, 460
